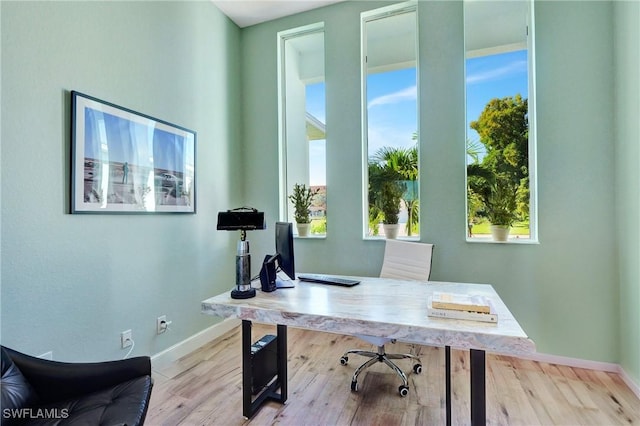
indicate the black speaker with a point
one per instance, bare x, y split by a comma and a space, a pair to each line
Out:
268, 273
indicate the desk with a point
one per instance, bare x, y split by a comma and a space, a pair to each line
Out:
382, 307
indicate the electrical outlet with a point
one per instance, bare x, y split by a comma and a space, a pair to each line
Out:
161, 324
126, 339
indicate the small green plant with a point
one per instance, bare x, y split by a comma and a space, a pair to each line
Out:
389, 201
501, 204
491, 195
301, 199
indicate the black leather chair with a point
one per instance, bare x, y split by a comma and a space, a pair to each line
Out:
42, 392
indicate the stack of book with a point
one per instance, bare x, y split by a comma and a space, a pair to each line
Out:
461, 306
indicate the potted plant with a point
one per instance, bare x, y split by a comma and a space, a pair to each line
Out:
500, 208
301, 199
498, 199
389, 204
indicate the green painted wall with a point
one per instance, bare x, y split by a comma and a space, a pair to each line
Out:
627, 108
564, 290
72, 283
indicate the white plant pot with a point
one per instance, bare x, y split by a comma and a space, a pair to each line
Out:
391, 230
500, 232
303, 229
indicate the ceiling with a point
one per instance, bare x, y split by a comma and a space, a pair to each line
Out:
488, 23
250, 12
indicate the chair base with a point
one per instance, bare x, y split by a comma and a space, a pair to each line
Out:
382, 356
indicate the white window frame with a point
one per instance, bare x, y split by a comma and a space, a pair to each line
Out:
532, 143
283, 183
365, 17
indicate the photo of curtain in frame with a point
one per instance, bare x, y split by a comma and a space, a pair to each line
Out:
127, 162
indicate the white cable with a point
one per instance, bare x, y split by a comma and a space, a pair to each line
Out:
133, 345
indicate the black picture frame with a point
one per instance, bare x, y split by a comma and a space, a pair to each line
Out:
123, 161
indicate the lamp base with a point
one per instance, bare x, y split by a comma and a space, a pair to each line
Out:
243, 294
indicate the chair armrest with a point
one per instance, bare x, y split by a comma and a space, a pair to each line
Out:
55, 381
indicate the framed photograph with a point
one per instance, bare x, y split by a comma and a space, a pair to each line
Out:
127, 162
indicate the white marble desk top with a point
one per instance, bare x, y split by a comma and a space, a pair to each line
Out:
381, 307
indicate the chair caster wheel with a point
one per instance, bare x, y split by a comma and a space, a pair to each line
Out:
344, 360
417, 368
354, 386
403, 390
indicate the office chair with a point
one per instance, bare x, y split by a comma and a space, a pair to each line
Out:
402, 260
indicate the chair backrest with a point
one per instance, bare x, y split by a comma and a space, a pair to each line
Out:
407, 260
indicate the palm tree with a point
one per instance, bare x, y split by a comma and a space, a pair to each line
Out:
400, 166
385, 192
474, 202
474, 149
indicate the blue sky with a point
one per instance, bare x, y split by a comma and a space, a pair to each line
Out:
392, 98
392, 109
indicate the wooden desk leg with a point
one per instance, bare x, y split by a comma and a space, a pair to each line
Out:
447, 384
478, 390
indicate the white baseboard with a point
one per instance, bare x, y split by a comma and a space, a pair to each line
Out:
170, 355
573, 362
167, 357
629, 381
589, 365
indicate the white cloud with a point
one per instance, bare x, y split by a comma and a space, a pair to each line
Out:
408, 94
493, 74
381, 136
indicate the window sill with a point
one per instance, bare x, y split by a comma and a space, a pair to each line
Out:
311, 237
516, 241
382, 238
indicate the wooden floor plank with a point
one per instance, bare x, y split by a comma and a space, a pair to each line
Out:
627, 405
611, 403
204, 388
505, 393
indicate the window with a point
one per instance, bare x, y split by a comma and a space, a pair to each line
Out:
390, 122
302, 128
500, 148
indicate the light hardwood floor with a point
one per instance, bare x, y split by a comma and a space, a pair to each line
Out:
204, 388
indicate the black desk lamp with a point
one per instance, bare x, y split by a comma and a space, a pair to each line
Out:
242, 219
